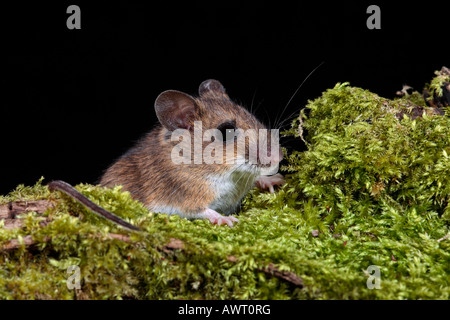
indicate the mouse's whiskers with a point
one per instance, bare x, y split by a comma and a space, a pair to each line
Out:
278, 118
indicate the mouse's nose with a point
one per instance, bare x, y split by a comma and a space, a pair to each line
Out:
272, 155
276, 155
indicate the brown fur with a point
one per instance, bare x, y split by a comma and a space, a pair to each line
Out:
149, 174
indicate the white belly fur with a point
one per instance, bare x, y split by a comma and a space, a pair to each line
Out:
230, 188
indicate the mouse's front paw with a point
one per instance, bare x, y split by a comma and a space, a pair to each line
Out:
217, 218
267, 182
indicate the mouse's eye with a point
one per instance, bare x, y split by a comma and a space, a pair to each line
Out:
227, 129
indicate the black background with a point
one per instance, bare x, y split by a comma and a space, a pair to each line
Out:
74, 100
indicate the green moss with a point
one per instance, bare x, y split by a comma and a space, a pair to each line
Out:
380, 182
22, 192
374, 187
415, 98
435, 87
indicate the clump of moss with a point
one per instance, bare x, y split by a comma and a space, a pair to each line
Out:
380, 182
416, 98
361, 155
437, 92
371, 189
438, 83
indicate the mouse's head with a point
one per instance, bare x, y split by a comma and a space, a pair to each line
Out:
216, 131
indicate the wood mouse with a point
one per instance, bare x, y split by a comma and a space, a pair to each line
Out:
195, 189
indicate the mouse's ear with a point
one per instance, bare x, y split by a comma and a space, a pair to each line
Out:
175, 109
211, 85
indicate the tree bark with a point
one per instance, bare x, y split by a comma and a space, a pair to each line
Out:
12, 209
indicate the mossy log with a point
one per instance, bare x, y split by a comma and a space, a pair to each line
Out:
11, 212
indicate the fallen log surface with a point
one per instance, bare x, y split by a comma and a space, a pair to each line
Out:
10, 211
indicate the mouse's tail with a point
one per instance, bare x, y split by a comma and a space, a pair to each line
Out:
73, 193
